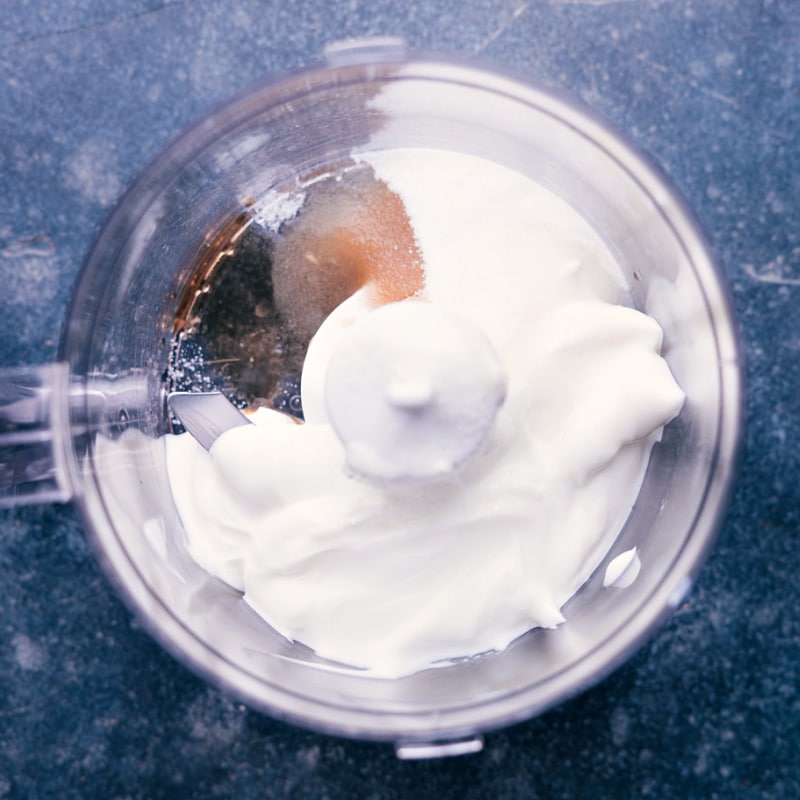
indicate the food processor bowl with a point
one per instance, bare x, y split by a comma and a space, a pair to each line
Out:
98, 416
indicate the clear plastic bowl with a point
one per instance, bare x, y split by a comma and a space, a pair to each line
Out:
106, 397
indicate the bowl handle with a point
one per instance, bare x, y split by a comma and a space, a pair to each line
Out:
34, 435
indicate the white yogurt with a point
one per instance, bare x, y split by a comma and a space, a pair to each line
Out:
394, 577
412, 391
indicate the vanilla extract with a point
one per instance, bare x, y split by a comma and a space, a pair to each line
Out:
263, 285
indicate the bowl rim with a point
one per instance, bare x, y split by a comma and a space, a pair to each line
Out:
394, 62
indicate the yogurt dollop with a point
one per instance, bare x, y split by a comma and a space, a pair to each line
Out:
570, 394
412, 390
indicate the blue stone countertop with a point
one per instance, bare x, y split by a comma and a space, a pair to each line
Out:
92, 707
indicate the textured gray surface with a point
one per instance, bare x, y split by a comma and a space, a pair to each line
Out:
90, 90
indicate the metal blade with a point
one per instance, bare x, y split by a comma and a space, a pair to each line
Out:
206, 415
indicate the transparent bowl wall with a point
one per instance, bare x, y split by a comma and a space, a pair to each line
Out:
117, 344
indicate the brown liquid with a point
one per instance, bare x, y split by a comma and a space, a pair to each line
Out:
255, 299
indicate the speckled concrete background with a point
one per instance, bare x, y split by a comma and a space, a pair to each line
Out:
90, 707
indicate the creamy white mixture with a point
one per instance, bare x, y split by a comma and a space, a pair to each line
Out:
411, 389
623, 569
376, 571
